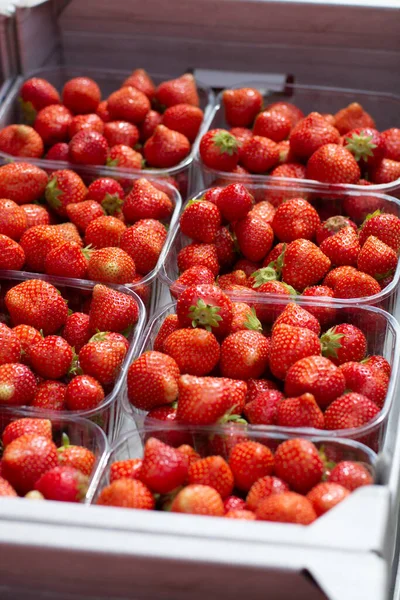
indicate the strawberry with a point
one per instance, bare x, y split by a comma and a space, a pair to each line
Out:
104, 232
377, 258
13, 221
332, 226
107, 192
310, 134
182, 90
246, 515
67, 260
385, 227
81, 95
52, 124
244, 318
88, 147
37, 303
263, 488
232, 503
333, 164
234, 278
350, 411
69, 233
242, 134
17, 385
234, 202
90, 122
166, 148
295, 315
294, 219
219, 150
198, 255
83, 213
244, 355
59, 151
352, 117
288, 507
391, 143
124, 157
288, 345
20, 427
111, 265
249, 461
149, 124
206, 400
257, 386
241, 106
198, 500
350, 475
21, 140
12, 255
259, 154
378, 363
152, 380
344, 343
195, 351
127, 493
318, 376
213, 471
35, 94
184, 118
201, 221
292, 170
36, 215
352, 283
360, 207
76, 330
264, 210
111, 310
299, 253
267, 313
286, 108
50, 395
10, 346
125, 469
83, 393
302, 411
128, 104
64, 187
102, 356
273, 125
163, 468
166, 416
193, 276
366, 145
360, 378
342, 248
6, 489
102, 111
63, 484
142, 81
121, 132
263, 410
205, 306
247, 266
22, 182
145, 201
144, 244
168, 326
51, 358
28, 336
298, 464
26, 458
326, 496
254, 237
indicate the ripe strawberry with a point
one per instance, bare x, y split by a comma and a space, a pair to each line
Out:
350, 475
78, 457
20, 427
234, 278
121, 132
360, 207
59, 151
128, 104
22, 182
12, 256
51, 358
288, 507
288, 345
332, 226
263, 488
107, 192
152, 380
385, 227
213, 471
244, 355
26, 458
377, 258
193, 276
219, 150
234, 202
127, 493
37, 303
83, 393
298, 464
264, 210
195, 351
163, 468
143, 243
366, 145
232, 503
145, 201
50, 395
111, 265
242, 134
63, 483
391, 143
326, 496
111, 310
205, 306
185, 119
88, 147
81, 95
67, 260
89, 122
102, 111
35, 94
76, 330
142, 81
310, 134
292, 170
83, 213
35, 215
17, 385
254, 237
378, 363
13, 221
198, 255
166, 417
318, 376
244, 318
124, 157
249, 461
286, 108
102, 356
149, 124
198, 500
350, 411
241, 106
104, 232
206, 400
263, 410
302, 411
28, 336
182, 90
21, 140
352, 117
64, 187
268, 313
125, 469
360, 378
342, 248
257, 386
297, 316
200, 221
259, 154
273, 125
52, 124
333, 164
299, 253
10, 346
344, 343
168, 326
6, 489
166, 148
353, 284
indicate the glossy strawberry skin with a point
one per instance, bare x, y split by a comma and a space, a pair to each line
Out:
143, 244
142, 81
195, 351
63, 484
298, 464
10, 345
333, 164
288, 507
288, 345
111, 265
263, 410
377, 258
149, 124
213, 471
121, 132
83, 213
145, 201
52, 124
350, 475
36, 215
199, 255
125, 469
17, 385
350, 411
66, 260
23, 426
273, 125
259, 154
302, 411
163, 468
201, 221
50, 395
81, 95
352, 117
59, 151
219, 150
22, 182
249, 461
244, 355
65, 187
124, 157
254, 237
104, 232
177, 91
241, 106
39, 93
102, 357
318, 376
21, 140
83, 393
185, 119
153, 380
12, 255
88, 147
198, 499
310, 134
263, 488
166, 148
299, 253
216, 315
297, 316
128, 104
196, 275
89, 122
385, 227
353, 344
360, 378
37, 242
294, 219
111, 310
127, 493
51, 358
343, 248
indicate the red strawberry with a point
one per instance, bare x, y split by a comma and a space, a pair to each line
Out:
234, 202
50, 395
331, 226
359, 207
198, 500
142, 81
102, 356
27, 458
206, 400
63, 483
59, 151
350, 475
124, 157
244, 355
263, 488
81, 95
35, 94
36, 215
78, 457
21, 140
257, 386
391, 143
288, 507
333, 164
234, 503
28, 336
299, 253
111, 265
52, 124
121, 132
378, 363
76, 330
234, 278
249, 461
265, 210
286, 108
65, 187
12, 256
145, 201
185, 119
128, 104
104, 232
247, 515
254, 237
298, 464
144, 243
149, 124
166, 148
6, 489
107, 192
17, 385
13, 221
244, 318
350, 411
213, 471
352, 117
67, 260
111, 310
267, 313
83, 393
178, 91
273, 125
22, 182
88, 147
163, 468
20, 427
69, 232
310, 134
297, 316
168, 326
342, 248
193, 276
90, 122
302, 411
366, 145
247, 266
198, 255
356, 284
153, 380
263, 410
219, 150
288, 345
242, 134
200, 221
10, 346
37, 303
125, 469
37, 242
102, 111
166, 416
195, 351
51, 358
241, 106
360, 378
326, 496
377, 258
385, 227
127, 493
259, 154
83, 213
344, 343
318, 376
205, 306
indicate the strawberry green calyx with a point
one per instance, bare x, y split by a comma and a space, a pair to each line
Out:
75, 368
28, 111
53, 194
380, 276
229, 418
263, 276
252, 322
328, 464
112, 162
330, 343
111, 203
64, 442
99, 336
193, 201
204, 315
360, 145
226, 143
371, 216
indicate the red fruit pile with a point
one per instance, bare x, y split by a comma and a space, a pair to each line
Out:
213, 362
285, 248
280, 141
138, 125
290, 485
52, 358
34, 467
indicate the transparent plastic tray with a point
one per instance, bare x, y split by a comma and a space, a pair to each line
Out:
383, 107
108, 414
108, 80
331, 203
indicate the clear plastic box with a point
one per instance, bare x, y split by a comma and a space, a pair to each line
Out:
332, 203
383, 107
108, 81
108, 414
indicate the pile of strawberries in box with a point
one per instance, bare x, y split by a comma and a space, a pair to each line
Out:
262, 393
